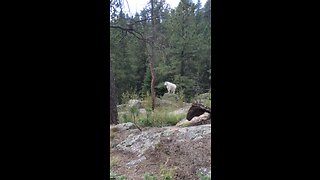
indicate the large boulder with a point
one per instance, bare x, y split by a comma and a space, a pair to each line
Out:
149, 139
170, 97
163, 102
164, 148
122, 107
123, 126
135, 102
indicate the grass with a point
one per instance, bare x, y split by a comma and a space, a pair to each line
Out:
113, 132
114, 176
167, 173
160, 119
204, 177
148, 176
114, 162
161, 116
112, 135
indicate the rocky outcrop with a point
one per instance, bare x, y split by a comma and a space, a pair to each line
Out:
135, 102
185, 149
147, 140
170, 97
122, 127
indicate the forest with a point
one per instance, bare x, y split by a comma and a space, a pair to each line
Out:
160, 44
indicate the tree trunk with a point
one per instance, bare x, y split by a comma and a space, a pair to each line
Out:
182, 63
113, 100
153, 76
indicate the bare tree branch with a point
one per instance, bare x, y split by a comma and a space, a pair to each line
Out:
120, 27
132, 31
125, 34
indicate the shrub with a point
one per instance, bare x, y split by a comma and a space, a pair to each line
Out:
124, 118
126, 96
204, 177
167, 174
148, 176
114, 161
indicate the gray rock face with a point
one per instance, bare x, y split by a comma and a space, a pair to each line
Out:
124, 126
170, 97
135, 102
163, 102
140, 143
121, 107
137, 161
182, 122
183, 110
142, 111
205, 171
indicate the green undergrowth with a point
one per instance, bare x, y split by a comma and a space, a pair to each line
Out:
158, 118
162, 115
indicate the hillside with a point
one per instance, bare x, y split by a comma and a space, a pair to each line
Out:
166, 152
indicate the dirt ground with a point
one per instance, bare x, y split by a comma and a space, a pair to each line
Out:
182, 159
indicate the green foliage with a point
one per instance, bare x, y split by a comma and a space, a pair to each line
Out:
146, 82
205, 99
147, 103
114, 162
204, 177
134, 111
181, 96
147, 121
114, 176
161, 118
121, 178
182, 50
126, 96
167, 173
186, 85
148, 176
124, 118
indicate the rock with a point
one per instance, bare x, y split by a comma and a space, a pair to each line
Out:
147, 140
164, 148
122, 113
182, 122
205, 118
192, 133
142, 111
183, 110
162, 102
138, 144
135, 102
137, 161
121, 107
205, 171
170, 97
123, 126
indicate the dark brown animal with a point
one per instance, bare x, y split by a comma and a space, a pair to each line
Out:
197, 109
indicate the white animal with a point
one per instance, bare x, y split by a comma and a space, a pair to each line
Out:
171, 87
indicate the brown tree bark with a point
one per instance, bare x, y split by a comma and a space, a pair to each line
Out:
113, 100
153, 76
